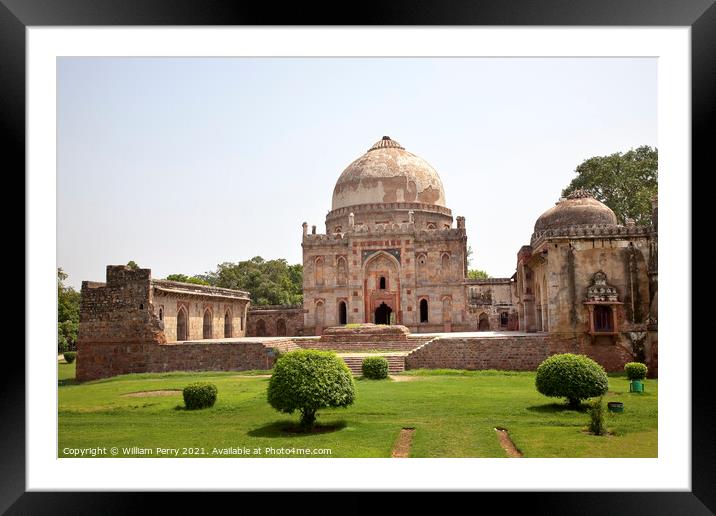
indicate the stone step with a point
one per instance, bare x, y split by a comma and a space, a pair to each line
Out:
396, 364
363, 345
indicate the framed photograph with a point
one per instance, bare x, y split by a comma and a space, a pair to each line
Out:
240, 217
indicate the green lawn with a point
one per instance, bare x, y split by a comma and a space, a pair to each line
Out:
454, 413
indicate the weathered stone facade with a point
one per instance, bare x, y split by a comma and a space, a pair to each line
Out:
391, 254
585, 280
129, 324
275, 321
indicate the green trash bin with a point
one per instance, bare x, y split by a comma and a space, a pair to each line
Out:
636, 386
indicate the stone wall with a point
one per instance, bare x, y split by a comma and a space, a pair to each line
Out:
119, 310
275, 321
103, 360
513, 353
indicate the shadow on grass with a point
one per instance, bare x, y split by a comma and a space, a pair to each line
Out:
67, 381
551, 408
289, 428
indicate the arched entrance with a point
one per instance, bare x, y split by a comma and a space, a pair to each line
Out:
382, 314
281, 328
181, 324
381, 284
484, 322
260, 328
342, 313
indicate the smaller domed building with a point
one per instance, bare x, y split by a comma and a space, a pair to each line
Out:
590, 282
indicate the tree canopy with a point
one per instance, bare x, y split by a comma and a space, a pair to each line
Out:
626, 182
68, 314
187, 279
269, 282
477, 274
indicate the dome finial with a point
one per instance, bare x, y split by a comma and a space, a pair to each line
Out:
579, 193
386, 143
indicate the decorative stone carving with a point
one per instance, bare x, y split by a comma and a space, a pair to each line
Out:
600, 290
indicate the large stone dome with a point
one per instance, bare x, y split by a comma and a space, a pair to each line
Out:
387, 173
578, 209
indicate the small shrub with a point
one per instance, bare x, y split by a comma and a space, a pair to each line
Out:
375, 368
306, 380
575, 377
596, 417
69, 356
199, 395
635, 370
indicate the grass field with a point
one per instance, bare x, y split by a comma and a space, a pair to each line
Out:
454, 414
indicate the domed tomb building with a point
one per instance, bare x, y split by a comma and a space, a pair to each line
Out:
586, 280
392, 253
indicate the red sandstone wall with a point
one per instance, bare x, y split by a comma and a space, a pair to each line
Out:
518, 353
610, 355
292, 317
103, 360
505, 353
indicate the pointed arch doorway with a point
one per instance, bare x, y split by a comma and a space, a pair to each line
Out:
382, 314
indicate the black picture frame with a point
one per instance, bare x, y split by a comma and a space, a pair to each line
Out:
17, 15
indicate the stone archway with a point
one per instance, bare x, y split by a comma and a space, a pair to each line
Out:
381, 284
182, 325
382, 314
483, 322
281, 328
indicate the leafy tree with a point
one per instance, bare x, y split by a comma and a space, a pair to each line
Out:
68, 314
477, 274
270, 282
132, 264
187, 279
625, 182
307, 380
575, 377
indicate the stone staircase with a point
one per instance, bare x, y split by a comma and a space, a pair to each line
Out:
396, 363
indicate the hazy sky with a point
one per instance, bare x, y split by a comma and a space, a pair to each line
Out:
181, 164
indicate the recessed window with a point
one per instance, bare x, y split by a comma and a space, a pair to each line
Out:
603, 318
382, 283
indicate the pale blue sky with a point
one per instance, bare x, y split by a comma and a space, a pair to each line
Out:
180, 164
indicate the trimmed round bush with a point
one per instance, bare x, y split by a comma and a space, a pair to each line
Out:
375, 368
635, 370
307, 380
575, 377
69, 356
199, 395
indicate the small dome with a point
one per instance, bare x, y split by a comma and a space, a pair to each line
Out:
388, 173
579, 208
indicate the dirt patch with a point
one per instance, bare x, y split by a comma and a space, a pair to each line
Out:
401, 449
397, 378
507, 444
146, 394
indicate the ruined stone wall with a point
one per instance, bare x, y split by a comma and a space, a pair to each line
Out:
275, 321
103, 360
120, 329
489, 298
119, 310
